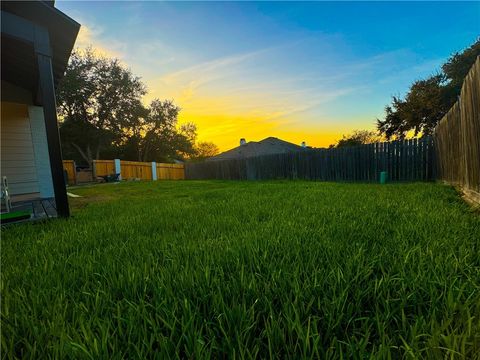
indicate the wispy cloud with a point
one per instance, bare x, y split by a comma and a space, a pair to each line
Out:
288, 79
189, 79
90, 35
210, 67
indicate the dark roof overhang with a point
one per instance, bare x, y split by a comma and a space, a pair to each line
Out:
25, 25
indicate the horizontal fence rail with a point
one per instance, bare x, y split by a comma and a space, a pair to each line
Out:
457, 137
409, 160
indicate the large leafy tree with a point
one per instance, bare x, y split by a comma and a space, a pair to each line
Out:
158, 137
428, 100
102, 115
421, 109
163, 139
457, 67
98, 99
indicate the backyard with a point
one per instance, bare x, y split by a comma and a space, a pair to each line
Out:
214, 269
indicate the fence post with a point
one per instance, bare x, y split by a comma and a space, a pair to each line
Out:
118, 168
154, 170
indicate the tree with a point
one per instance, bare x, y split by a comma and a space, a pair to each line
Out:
157, 136
205, 150
428, 100
99, 104
457, 67
102, 115
358, 137
424, 105
189, 130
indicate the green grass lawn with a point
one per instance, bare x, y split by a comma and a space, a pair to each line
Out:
202, 269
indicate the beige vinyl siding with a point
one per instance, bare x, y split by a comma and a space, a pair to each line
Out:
17, 154
40, 148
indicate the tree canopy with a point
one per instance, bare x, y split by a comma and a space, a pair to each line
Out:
428, 100
102, 115
205, 150
358, 137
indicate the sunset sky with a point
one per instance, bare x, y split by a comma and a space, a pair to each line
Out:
298, 71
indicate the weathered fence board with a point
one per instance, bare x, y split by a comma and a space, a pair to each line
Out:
103, 167
170, 171
69, 167
136, 170
457, 137
410, 160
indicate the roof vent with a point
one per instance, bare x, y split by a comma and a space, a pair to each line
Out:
243, 141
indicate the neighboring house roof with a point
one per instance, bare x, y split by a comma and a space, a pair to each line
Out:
268, 146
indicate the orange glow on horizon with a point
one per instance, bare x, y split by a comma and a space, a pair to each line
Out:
226, 130
223, 119
224, 116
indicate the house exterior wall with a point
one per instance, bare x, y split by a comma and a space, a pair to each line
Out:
15, 94
40, 149
24, 149
17, 155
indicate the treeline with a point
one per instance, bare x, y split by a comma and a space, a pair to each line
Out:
102, 116
426, 102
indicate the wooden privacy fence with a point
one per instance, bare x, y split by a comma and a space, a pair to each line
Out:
457, 137
136, 170
170, 171
453, 155
409, 160
129, 170
69, 167
103, 167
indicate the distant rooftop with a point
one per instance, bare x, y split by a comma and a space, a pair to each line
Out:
268, 146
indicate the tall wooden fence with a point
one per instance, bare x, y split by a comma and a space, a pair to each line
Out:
170, 171
69, 167
457, 137
103, 167
409, 160
136, 170
128, 170
453, 155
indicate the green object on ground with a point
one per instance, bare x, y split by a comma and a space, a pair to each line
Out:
383, 177
260, 269
15, 215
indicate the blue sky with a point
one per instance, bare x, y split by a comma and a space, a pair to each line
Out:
299, 71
